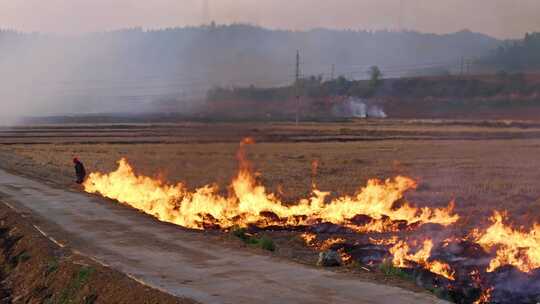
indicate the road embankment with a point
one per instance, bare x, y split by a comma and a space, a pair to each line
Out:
34, 268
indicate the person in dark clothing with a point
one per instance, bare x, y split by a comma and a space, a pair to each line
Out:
79, 171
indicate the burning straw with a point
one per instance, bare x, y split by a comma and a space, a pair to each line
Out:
480, 267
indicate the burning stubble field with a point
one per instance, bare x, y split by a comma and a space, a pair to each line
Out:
379, 195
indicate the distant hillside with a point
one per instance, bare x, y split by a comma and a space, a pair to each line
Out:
502, 95
123, 70
517, 55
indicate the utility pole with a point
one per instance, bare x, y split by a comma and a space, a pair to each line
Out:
297, 71
333, 72
462, 66
297, 86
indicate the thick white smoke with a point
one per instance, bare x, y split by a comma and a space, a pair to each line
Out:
358, 108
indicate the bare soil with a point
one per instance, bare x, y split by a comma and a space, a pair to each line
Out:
36, 270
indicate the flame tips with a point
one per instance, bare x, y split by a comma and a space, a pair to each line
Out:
379, 206
248, 200
247, 141
402, 257
485, 297
515, 247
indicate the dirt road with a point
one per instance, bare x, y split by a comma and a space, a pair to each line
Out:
182, 262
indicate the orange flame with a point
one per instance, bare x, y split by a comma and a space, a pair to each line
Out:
331, 242
485, 297
345, 257
314, 169
402, 259
309, 238
250, 204
514, 247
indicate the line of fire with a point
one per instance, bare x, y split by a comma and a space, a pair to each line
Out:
374, 228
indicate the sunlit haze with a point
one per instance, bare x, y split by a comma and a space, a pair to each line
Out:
500, 18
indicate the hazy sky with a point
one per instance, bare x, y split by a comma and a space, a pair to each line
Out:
501, 18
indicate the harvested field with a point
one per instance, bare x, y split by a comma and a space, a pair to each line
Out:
362, 130
493, 167
482, 166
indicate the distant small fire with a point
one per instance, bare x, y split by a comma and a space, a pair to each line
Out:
475, 261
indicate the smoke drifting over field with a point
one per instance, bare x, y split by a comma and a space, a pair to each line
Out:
42, 74
170, 70
95, 73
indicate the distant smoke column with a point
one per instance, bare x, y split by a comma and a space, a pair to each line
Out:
357, 109
376, 112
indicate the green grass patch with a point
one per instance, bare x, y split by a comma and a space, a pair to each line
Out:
263, 242
240, 233
390, 270
266, 243
84, 275
52, 267
70, 293
23, 257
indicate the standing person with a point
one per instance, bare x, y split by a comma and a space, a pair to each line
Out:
80, 172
